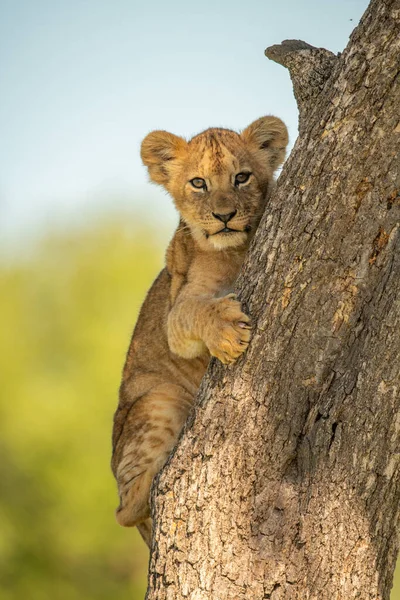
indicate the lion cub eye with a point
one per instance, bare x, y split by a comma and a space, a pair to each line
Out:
198, 183
242, 178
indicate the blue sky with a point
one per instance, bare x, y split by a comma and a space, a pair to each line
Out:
83, 81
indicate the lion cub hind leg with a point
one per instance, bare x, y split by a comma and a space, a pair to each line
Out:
150, 432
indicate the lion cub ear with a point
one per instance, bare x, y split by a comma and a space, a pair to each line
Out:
158, 149
267, 138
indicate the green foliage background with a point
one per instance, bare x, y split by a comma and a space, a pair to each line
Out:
67, 313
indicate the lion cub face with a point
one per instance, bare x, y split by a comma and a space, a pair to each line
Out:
219, 179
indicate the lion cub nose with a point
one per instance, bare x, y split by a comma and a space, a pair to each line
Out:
225, 217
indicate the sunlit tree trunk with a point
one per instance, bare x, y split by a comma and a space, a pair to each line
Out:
286, 481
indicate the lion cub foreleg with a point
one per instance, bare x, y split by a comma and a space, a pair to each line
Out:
151, 430
218, 324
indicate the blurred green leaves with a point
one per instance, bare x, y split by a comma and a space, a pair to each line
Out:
68, 311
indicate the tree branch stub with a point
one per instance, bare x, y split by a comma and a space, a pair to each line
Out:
309, 69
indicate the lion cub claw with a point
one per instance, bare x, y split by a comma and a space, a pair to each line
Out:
227, 334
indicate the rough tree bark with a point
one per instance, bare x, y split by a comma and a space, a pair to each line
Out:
286, 481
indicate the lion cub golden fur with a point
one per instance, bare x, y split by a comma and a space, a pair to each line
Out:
219, 181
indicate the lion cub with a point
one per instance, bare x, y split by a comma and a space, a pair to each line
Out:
219, 181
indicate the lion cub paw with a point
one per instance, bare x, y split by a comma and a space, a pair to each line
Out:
227, 333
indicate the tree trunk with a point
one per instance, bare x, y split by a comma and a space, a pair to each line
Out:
286, 480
